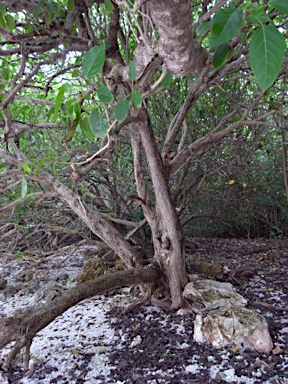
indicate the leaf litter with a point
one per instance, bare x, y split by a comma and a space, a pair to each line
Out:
94, 342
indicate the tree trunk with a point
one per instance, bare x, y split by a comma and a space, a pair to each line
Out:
165, 225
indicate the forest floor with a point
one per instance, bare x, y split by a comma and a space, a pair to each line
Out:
94, 343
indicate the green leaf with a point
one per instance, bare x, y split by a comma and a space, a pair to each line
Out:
23, 187
121, 110
38, 8
77, 110
220, 55
104, 94
58, 100
65, 159
70, 5
3, 9
10, 21
167, 80
85, 127
71, 132
26, 168
258, 17
73, 122
93, 61
132, 72
53, 7
225, 25
39, 165
136, 99
281, 5
108, 6
266, 53
203, 27
98, 124
2, 22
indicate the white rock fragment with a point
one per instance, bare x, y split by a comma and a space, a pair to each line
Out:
225, 321
239, 326
136, 341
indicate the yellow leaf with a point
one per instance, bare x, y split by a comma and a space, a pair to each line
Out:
169, 374
277, 350
234, 349
244, 185
74, 351
231, 182
137, 326
270, 289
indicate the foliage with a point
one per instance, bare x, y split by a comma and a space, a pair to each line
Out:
72, 111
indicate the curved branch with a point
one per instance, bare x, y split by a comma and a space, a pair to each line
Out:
24, 327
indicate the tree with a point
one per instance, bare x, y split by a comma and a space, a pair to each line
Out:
81, 77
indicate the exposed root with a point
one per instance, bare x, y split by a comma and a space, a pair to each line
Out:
24, 327
138, 303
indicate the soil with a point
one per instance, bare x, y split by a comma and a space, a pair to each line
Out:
150, 345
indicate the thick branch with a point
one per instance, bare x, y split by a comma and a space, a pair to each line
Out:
28, 324
176, 45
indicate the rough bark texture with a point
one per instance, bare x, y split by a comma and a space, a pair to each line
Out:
24, 327
98, 225
167, 235
173, 20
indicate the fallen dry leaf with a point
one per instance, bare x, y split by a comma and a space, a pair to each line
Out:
169, 374
277, 350
261, 362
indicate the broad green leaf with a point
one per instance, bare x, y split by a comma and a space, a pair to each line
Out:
85, 127
23, 187
39, 165
77, 110
71, 132
121, 110
108, 6
220, 55
136, 99
266, 53
58, 100
281, 5
93, 61
38, 8
132, 72
10, 21
53, 7
75, 72
258, 17
98, 124
2, 21
3, 9
26, 168
104, 94
225, 25
65, 159
70, 5
203, 27
5, 72
167, 80
73, 122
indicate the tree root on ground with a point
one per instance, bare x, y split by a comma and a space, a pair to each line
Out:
22, 328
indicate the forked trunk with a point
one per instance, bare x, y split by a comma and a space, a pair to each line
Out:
164, 221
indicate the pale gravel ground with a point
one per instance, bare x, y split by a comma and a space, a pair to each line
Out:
76, 345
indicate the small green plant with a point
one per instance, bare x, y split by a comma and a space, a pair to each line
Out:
19, 255
70, 282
